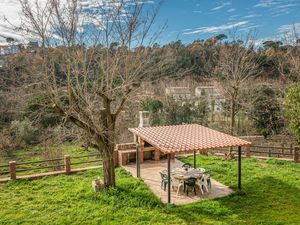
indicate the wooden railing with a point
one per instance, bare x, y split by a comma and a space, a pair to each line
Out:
287, 153
35, 169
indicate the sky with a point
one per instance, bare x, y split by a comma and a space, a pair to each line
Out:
189, 20
200, 19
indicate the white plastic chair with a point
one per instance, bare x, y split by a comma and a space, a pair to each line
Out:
177, 184
202, 182
181, 184
208, 179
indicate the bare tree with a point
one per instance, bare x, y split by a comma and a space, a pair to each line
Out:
237, 64
293, 53
92, 59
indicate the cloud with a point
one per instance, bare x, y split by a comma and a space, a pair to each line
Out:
221, 6
287, 34
250, 28
233, 17
215, 29
10, 11
251, 16
287, 28
277, 7
231, 10
266, 3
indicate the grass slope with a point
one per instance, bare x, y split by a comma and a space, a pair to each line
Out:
270, 196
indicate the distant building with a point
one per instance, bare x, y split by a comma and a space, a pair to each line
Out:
179, 93
213, 95
33, 46
2, 63
9, 49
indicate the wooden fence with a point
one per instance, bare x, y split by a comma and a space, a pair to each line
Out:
264, 152
65, 165
71, 164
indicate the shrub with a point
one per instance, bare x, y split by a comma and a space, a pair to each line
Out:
51, 151
155, 108
266, 112
23, 132
292, 110
6, 142
38, 110
187, 113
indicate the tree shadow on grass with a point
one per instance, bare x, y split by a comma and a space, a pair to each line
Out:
265, 200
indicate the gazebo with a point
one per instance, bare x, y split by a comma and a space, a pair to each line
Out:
189, 138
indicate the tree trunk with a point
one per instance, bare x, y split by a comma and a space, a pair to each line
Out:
108, 166
232, 116
232, 122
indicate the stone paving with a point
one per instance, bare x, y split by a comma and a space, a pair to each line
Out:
150, 174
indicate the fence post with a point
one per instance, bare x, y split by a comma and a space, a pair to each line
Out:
296, 154
12, 170
269, 153
248, 152
282, 150
67, 162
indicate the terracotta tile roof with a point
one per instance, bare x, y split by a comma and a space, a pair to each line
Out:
186, 138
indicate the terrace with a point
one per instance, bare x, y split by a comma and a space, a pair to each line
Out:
168, 141
150, 175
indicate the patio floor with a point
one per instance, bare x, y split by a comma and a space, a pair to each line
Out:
150, 174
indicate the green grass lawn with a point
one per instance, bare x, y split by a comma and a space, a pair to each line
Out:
271, 195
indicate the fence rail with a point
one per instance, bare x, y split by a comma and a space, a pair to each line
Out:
291, 153
65, 165
15, 170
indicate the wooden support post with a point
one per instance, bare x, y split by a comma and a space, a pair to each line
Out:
156, 155
296, 154
67, 162
239, 167
248, 152
141, 149
195, 164
13, 170
169, 178
173, 156
137, 161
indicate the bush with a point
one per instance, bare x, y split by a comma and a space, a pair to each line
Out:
155, 108
6, 142
38, 110
51, 151
292, 110
187, 113
23, 133
266, 112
